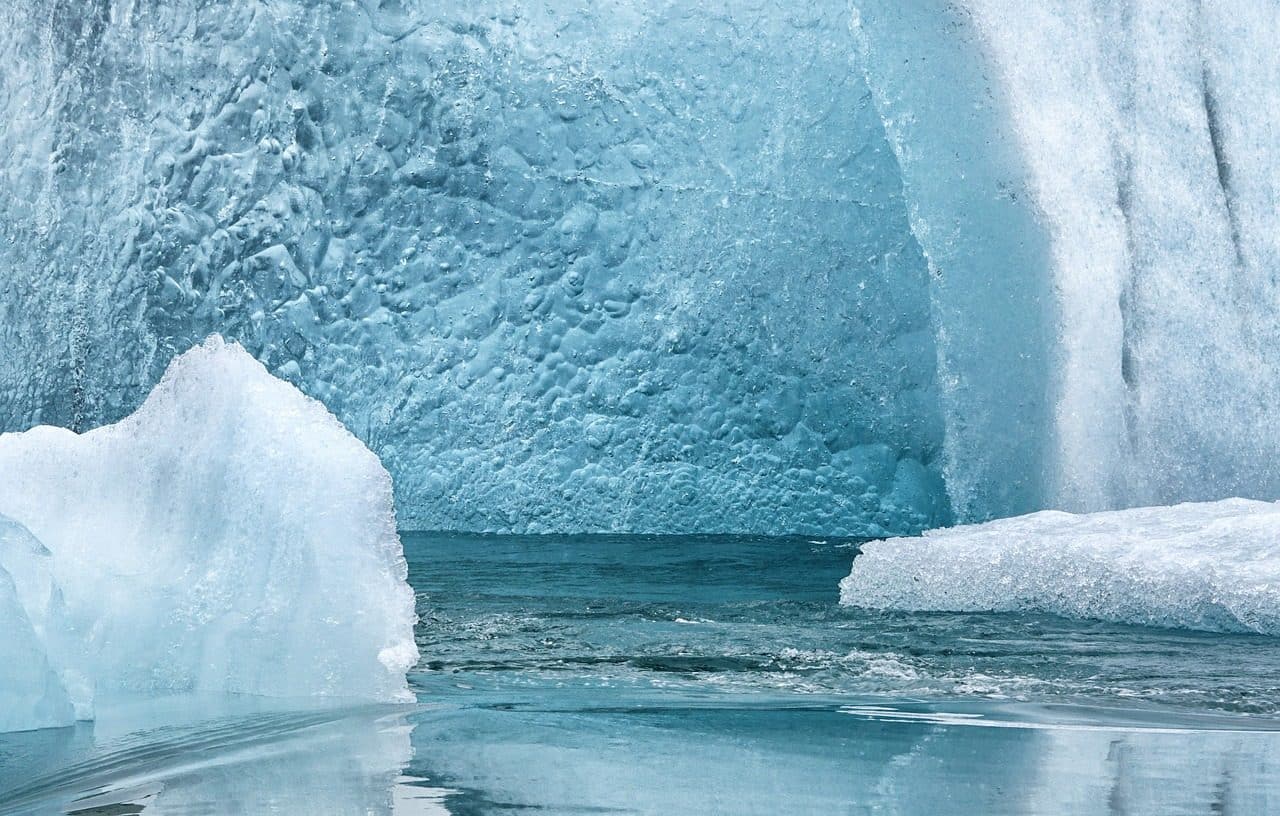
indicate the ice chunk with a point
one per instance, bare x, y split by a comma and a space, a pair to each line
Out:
1211, 566
29, 566
31, 693
229, 536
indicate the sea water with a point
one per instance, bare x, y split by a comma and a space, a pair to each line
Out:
630, 674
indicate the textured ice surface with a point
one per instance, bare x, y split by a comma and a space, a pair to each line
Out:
1133, 145
1164, 234
32, 695
1212, 566
229, 536
633, 265
640, 265
993, 303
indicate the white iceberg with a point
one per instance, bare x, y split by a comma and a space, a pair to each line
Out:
230, 536
1211, 566
32, 695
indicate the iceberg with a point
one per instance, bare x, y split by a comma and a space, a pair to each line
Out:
32, 695
228, 537
1211, 566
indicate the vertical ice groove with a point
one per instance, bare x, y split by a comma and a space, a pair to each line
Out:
1142, 125
1221, 163
990, 291
1128, 324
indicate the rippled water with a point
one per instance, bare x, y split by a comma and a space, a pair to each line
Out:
702, 675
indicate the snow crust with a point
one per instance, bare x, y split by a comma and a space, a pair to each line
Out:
1211, 566
229, 536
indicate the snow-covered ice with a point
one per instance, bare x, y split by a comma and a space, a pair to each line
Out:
229, 536
1211, 566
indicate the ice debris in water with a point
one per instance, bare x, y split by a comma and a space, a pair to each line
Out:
229, 536
1210, 566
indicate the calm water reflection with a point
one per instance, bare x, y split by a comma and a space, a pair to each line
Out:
636, 675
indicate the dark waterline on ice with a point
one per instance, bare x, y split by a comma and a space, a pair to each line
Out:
572, 674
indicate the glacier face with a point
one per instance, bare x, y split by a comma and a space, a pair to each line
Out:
230, 536
563, 267
755, 266
1143, 133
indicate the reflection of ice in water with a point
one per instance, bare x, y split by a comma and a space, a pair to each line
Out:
957, 757
416, 797
167, 759
346, 766
1149, 772
745, 761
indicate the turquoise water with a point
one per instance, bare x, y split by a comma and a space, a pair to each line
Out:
601, 674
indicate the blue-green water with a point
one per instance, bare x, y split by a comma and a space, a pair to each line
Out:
701, 675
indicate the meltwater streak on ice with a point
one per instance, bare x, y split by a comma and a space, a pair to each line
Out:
1211, 566
229, 536
1095, 185
1148, 130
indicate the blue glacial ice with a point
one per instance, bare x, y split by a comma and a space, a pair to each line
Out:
230, 536
1212, 566
1143, 132
563, 266
751, 265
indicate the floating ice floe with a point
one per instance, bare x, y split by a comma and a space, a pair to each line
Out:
1210, 566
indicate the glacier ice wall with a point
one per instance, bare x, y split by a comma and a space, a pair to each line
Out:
1106, 324
1147, 136
760, 266
563, 266
228, 536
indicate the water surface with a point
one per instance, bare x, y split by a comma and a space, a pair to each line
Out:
664, 675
